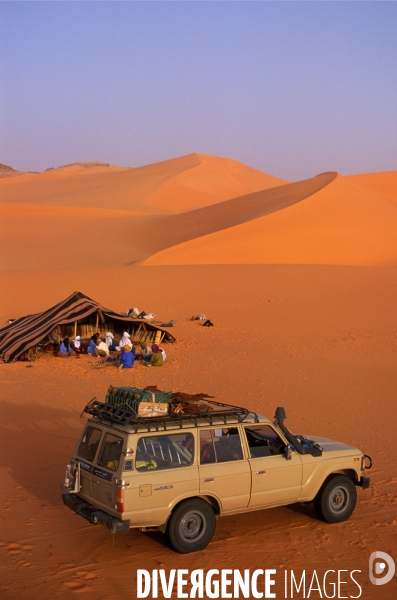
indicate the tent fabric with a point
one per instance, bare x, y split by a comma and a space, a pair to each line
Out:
22, 334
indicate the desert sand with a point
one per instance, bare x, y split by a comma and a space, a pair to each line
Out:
300, 281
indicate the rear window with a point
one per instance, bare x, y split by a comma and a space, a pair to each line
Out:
164, 452
89, 443
109, 456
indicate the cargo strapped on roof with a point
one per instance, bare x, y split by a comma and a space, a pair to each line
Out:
220, 414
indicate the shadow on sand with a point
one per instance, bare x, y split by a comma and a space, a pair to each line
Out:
36, 443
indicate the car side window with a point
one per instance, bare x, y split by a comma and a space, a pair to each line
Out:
263, 441
111, 449
164, 451
220, 445
89, 443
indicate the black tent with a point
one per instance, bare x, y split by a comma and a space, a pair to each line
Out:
77, 314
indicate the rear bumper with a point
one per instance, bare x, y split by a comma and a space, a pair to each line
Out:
364, 482
94, 516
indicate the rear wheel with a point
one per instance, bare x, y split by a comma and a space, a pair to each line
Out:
191, 526
336, 500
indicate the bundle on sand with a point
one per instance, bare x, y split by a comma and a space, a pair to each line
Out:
182, 403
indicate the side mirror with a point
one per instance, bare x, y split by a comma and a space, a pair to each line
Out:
288, 452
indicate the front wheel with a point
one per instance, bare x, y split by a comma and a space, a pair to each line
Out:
335, 502
191, 526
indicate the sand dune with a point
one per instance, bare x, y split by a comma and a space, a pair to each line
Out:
167, 231
195, 209
88, 214
383, 185
122, 237
338, 224
183, 183
211, 180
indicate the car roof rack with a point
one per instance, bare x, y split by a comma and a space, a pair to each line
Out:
220, 414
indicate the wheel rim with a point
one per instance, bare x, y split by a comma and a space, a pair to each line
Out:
192, 526
339, 499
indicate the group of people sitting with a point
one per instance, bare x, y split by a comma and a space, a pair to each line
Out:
151, 355
66, 347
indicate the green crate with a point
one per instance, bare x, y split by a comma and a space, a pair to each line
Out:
129, 398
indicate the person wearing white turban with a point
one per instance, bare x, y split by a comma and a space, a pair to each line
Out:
126, 339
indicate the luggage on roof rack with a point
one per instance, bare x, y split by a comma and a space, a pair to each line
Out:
221, 414
144, 403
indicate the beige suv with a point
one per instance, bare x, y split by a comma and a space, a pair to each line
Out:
178, 474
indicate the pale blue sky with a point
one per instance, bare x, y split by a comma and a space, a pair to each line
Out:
291, 88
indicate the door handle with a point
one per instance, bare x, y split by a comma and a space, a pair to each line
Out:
207, 479
261, 472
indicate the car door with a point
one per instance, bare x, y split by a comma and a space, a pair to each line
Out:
274, 479
223, 470
105, 472
86, 453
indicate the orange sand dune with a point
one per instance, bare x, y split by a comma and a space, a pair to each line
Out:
383, 185
174, 229
88, 214
114, 237
339, 224
211, 180
175, 185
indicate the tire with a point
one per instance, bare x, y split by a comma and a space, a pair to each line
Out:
191, 526
336, 500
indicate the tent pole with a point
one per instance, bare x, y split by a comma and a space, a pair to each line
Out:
75, 328
97, 322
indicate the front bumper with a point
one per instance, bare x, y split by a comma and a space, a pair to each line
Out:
94, 516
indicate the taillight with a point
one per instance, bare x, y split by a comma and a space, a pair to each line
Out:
119, 500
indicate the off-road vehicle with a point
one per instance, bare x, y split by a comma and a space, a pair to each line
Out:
178, 473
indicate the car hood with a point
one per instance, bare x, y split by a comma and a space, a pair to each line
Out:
331, 445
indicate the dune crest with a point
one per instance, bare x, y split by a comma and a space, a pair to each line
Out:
193, 209
175, 185
337, 224
207, 180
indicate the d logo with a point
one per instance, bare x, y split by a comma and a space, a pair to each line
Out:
380, 566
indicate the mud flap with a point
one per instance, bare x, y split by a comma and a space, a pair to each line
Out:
364, 482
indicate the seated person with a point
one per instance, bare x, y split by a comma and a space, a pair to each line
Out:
76, 345
163, 353
127, 357
126, 339
92, 344
110, 341
101, 348
64, 348
156, 360
146, 351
